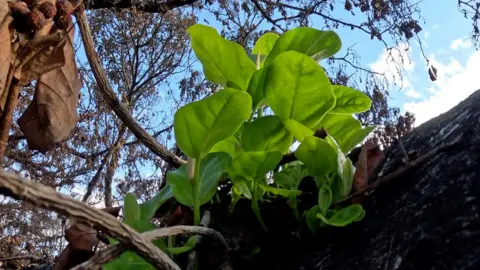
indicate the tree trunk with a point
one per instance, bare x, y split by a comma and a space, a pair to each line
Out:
428, 218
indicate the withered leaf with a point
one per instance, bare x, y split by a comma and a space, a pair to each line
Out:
369, 158
5, 43
52, 115
81, 236
432, 72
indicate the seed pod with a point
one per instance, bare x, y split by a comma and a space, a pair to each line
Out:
35, 20
48, 9
64, 8
63, 22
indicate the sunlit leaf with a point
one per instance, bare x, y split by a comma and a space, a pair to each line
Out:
265, 134
312, 42
289, 177
210, 169
344, 216
265, 44
297, 88
349, 100
318, 155
224, 62
298, 130
200, 125
253, 165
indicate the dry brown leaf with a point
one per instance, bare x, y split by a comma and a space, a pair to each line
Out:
369, 158
81, 236
5, 43
52, 115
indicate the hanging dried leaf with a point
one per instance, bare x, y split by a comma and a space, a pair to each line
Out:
81, 236
432, 72
52, 114
5, 43
369, 158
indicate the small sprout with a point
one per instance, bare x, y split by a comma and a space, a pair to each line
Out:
48, 9
35, 20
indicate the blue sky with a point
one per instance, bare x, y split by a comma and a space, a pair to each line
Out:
445, 41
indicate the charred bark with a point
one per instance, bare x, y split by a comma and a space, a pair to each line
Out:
428, 218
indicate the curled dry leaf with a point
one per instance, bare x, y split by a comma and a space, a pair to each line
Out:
369, 158
52, 114
81, 236
5, 44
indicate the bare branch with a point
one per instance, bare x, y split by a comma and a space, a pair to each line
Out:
151, 6
14, 186
113, 251
118, 107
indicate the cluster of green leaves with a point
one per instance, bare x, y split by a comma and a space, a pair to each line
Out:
227, 132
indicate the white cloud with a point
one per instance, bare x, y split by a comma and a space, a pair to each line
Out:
454, 84
460, 44
390, 61
412, 93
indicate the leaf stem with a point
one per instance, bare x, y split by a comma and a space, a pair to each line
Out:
195, 183
255, 207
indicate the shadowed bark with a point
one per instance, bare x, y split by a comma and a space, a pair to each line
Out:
427, 218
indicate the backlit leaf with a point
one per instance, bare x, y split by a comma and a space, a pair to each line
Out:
312, 42
266, 133
149, 207
200, 125
224, 62
349, 100
318, 155
297, 88
324, 198
253, 165
131, 208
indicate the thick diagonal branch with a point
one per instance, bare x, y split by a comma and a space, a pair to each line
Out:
112, 252
14, 186
118, 107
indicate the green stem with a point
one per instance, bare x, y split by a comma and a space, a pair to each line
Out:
260, 111
293, 205
255, 207
195, 183
170, 244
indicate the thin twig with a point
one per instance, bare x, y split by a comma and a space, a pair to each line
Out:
24, 257
113, 102
112, 252
7, 117
396, 174
14, 186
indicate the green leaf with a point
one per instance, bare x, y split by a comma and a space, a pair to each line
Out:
361, 216
298, 130
289, 177
348, 172
131, 208
346, 130
265, 44
224, 62
318, 155
189, 245
230, 145
253, 165
255, 87
141, 225
200, 125
210, 169
324, 198
311, 219
297, 88
349, 100
281, 192
345, 216
312, 42
254, 58
148, 208
240, 186
266, 133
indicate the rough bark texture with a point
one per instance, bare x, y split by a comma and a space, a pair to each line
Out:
426, 219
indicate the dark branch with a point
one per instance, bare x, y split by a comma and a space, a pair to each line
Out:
151, 6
